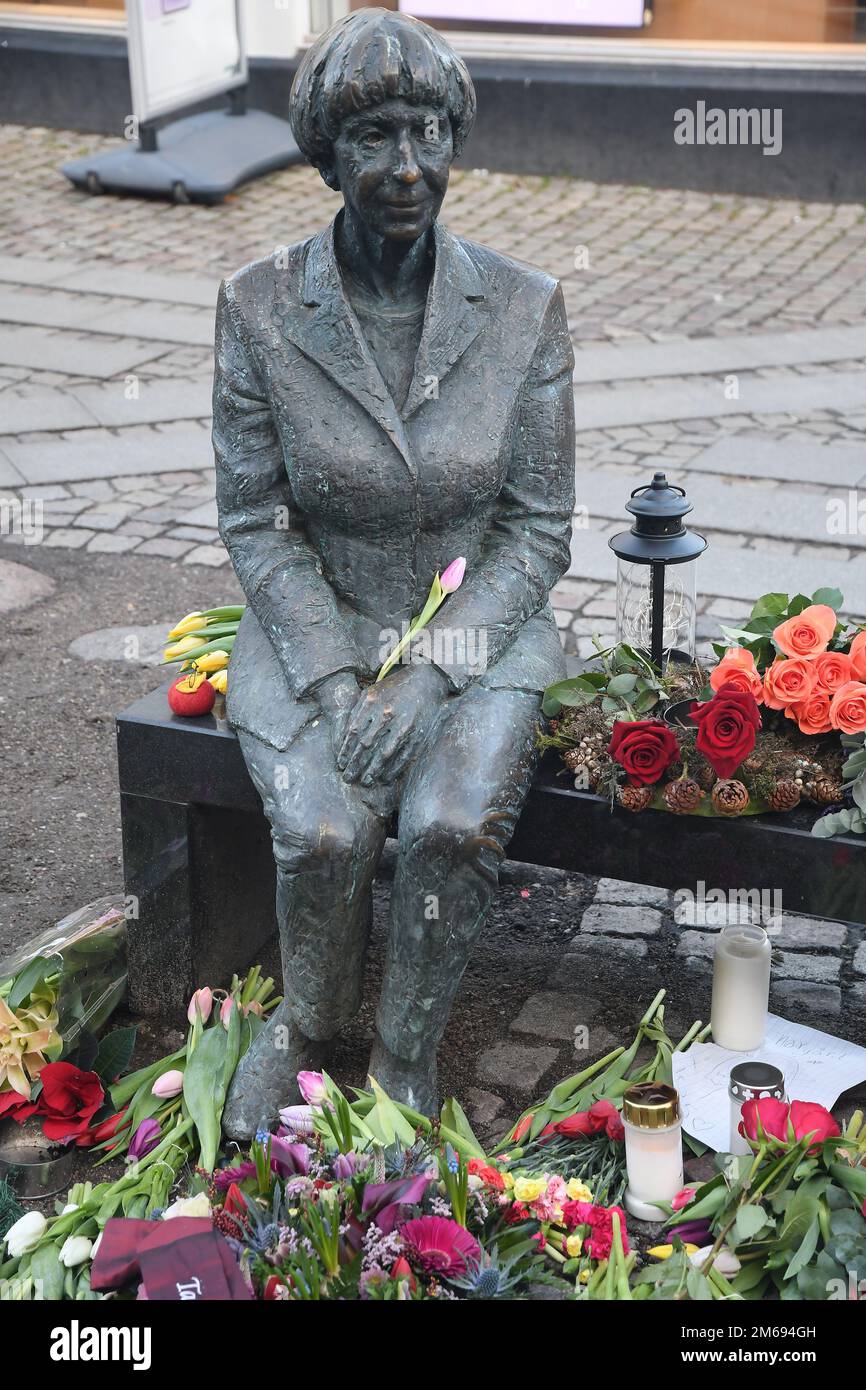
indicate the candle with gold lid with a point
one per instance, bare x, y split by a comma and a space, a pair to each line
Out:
653, 1148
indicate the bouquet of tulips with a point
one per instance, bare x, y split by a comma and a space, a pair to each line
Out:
202, 642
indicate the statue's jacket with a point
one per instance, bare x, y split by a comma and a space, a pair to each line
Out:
337, 509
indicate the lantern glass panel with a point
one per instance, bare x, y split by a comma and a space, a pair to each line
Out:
634, 607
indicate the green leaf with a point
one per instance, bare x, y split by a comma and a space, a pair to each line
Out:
806, 1250
201, 1085
774, 604
801, 1211
115, 1054
34, 972
622, 685
852, 1179
797, 604
385, 1119
453, 1116
645, 701
832, 597
45, 1265
750, 1220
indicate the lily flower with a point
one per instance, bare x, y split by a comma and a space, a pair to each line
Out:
28, 1040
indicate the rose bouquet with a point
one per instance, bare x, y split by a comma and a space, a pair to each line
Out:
767, 727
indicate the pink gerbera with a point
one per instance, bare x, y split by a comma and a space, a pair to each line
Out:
439, 1245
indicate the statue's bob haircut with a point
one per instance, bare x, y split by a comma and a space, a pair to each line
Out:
369, 57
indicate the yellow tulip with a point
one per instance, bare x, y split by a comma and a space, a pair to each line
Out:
191, 623
212, 661
664, 1252
573, 1246
186, 644
219, 681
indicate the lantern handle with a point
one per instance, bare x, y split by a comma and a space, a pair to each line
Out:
659, 481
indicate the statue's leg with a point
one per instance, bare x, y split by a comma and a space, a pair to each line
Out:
458, 811
327, 842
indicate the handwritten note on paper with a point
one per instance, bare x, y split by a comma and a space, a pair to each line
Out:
816, 1066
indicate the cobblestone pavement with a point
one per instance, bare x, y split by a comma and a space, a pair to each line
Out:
721, 338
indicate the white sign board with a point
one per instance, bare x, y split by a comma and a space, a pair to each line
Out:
603, 14
181, 52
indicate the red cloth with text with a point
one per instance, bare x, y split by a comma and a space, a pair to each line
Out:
184, 1258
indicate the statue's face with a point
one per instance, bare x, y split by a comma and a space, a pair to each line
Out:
392, 165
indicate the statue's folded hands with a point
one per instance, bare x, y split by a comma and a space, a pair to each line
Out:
389, 724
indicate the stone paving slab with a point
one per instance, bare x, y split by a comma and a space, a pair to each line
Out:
107, 455
98, 314
699, 400
702, 356
37, 270
43, 409
157, 401
198, 291
782, 512
73, 354
791, 460
737, 573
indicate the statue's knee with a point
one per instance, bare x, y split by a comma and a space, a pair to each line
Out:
326, 847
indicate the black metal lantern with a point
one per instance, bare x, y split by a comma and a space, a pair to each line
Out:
655, 583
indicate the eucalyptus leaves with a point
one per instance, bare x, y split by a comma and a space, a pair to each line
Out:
629, 685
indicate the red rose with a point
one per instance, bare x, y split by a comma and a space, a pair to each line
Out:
645, 748
70, 1099
807, 1117
773, 1115
727, 728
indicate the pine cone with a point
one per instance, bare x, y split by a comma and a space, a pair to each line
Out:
683, 795
730, 798
707, 778
754, 763
635, 798
573, 759
784, 796
826, 792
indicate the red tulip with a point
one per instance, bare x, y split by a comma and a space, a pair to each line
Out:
401, 1269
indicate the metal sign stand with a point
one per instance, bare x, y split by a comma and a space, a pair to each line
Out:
199, 158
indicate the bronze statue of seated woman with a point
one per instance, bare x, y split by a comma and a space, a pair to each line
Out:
388, 397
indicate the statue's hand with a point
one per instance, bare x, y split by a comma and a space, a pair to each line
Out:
337, 696
388, 725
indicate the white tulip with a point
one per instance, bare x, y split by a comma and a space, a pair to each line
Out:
70, 1206
725, 1262
188, 1206
75, 1250
96, 1244
25, 1235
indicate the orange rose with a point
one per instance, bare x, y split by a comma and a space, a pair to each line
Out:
737, 667
857, 653
788, 682
812, 715
808, 633
833, 670
848, 708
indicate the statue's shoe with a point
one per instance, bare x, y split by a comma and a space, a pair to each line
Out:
411, 1083
266, 1077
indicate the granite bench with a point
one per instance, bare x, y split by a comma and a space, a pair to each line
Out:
199, 870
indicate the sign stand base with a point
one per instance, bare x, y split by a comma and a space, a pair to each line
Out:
198, 159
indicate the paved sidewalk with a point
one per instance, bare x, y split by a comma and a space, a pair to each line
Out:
719, 338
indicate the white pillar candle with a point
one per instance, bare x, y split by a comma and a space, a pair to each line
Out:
653, 1148
741, 987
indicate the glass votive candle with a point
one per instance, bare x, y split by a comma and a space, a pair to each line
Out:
741, 987
750, 1081
653, 1148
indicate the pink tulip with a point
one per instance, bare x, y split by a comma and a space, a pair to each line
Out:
298, 1119
202, 1001
312, 1087
168, 1085
226, 1010
452, 577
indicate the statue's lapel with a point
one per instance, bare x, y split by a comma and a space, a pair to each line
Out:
455, 316
325, 329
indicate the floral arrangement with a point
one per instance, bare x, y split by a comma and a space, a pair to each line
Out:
768, 727
789, 1219
363, 1198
